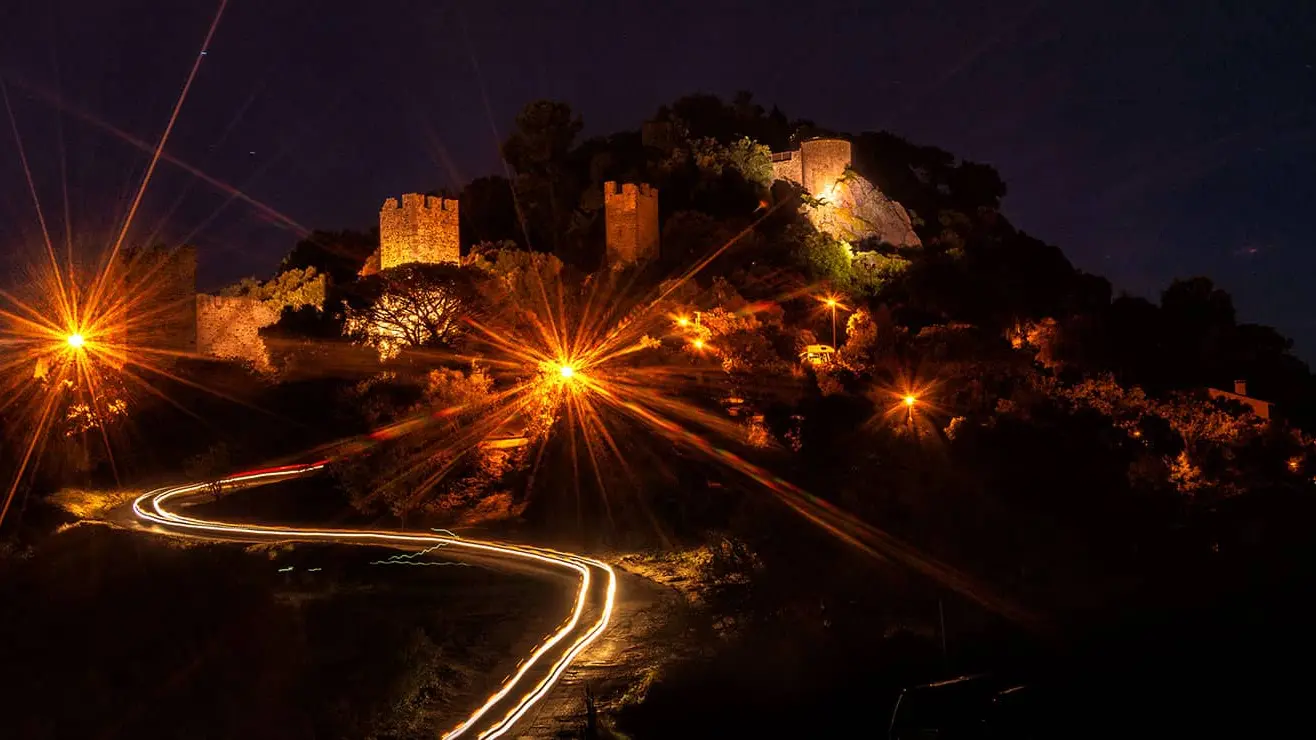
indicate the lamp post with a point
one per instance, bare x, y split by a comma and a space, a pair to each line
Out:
831, 303
909, 401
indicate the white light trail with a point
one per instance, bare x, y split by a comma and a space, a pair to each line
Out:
519, 692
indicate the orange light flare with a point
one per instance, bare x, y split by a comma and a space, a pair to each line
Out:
66, 361
911, 404
648, 398
832, 302
64, 348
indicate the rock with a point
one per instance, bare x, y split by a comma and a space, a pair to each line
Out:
854, 209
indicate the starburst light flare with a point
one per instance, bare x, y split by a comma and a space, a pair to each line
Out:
65, 341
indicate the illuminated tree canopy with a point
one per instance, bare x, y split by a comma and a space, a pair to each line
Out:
412, 306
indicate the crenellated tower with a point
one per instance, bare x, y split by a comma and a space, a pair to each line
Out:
631, 218
422, 229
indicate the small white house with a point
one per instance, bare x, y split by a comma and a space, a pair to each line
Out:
818, 354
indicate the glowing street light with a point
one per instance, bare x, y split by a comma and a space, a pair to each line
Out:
909, 400
683, 322
697, 343
831, 303
76, 341
567, 372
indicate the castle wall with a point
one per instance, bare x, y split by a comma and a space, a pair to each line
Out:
423, 228
824, 161
162, 316
786, 166
816, 165
631, 221
229, 328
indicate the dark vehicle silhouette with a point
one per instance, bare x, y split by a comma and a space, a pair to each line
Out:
975, 706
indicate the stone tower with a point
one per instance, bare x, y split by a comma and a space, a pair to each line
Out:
422, 229
631, 217
816, 165
824, 162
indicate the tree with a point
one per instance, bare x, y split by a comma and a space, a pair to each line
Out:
538, 151
488, 212
338, 254
521, 284
825, 259
416, 305
293, 288
744, 155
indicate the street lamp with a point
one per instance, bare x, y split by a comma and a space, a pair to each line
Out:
832, 303
76, 341
909, 401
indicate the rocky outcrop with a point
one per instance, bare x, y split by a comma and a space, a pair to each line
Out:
854, 209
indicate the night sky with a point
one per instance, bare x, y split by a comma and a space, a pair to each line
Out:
1148, 144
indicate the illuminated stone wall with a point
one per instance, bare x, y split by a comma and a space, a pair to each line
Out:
816, 165
229, 328
851, 208
786, 166
422, 229
631, 219
824, 161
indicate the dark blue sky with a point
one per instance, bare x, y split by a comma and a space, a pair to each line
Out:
1147, 143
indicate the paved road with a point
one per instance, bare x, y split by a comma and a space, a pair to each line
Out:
506, 710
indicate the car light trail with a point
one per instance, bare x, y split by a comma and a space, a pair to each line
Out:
535, 675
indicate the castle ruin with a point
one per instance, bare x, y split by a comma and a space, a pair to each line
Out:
422, 229
848, 208
164, 317
228, 328
817, 165
631, 218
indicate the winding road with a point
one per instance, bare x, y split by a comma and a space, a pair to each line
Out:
535, 675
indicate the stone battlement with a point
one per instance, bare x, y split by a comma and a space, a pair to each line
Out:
630, 212
612, 189
419, 228
417, 201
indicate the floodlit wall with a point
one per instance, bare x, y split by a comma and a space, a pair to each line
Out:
229, 328
423, 228
786, 166
824, 161
631, 219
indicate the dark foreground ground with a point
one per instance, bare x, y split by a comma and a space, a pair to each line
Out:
119, 634
1214, 641
111, 633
